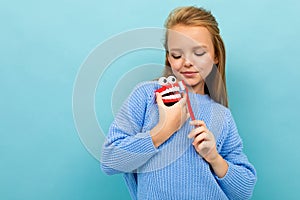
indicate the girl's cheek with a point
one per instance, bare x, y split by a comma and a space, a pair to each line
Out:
204, 66
176, 65
205, 71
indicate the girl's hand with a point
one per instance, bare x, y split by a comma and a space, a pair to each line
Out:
204, 141
171, 118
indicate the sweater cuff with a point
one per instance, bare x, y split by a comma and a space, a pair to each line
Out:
237, 183
130, 155
146, 142
227, 176
232, 178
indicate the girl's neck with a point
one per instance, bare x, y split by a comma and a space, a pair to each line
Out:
199, 88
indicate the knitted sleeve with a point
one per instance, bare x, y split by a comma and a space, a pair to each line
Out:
240, 179
126, 146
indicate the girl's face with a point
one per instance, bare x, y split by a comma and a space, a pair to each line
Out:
191, 54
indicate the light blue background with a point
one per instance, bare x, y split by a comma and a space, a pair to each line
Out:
43, 44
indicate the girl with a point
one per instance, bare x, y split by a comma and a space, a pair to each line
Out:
161, 151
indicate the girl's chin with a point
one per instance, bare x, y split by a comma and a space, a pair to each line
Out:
193, 84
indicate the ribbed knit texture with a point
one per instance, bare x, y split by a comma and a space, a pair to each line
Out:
174, 170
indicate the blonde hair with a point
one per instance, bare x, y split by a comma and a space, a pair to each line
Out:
215, 83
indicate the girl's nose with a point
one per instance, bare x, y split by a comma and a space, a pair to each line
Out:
187, 62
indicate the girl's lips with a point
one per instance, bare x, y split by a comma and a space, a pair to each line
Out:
189, 74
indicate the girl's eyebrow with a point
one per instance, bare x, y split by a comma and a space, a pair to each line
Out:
194, 48
200, 47
175, 49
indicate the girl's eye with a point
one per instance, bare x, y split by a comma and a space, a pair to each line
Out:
176, 56
200, 53
162, 81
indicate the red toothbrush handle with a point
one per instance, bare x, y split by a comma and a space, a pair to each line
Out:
188, 102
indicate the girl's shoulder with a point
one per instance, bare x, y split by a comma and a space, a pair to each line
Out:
143, 92
147, 86
145, 89
221, 110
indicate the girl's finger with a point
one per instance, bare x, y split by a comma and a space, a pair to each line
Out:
200, 138
196, 131
187, 115
182, 101
198, 123
204, 148
159, 100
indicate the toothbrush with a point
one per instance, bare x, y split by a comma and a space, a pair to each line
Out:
183, 87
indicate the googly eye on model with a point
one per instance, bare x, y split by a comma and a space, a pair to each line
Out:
171, 79
163, 81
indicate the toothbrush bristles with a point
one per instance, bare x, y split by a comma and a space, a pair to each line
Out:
181, 86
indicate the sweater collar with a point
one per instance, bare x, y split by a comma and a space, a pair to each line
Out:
200, 98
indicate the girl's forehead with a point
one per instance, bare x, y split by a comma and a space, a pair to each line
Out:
189, 36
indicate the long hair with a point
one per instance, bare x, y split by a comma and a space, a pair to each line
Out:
215, 83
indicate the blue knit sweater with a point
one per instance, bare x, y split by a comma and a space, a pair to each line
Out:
174, 170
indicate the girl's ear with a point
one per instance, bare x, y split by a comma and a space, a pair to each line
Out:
216, 60
168, 57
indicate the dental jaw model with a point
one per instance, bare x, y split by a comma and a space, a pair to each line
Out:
171, 92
